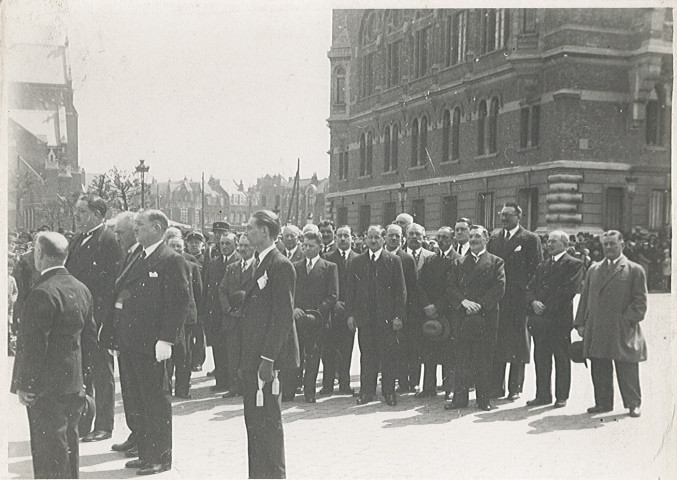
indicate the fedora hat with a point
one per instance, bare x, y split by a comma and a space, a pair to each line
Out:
436, 329
236, 300
311, 319
576, 352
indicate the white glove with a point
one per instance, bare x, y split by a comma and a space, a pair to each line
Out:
163, 350
115, 353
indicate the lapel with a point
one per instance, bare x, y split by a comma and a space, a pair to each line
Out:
84, 252
510, 244
146, 265
620, 265
246, 275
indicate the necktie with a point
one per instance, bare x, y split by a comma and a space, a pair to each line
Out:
256, 261
507, 235
475, 258
288, 253
142, 255
417, 254
309, 266
343, 255
460, 249
244, 265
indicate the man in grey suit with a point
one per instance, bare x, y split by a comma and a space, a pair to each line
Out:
612, 304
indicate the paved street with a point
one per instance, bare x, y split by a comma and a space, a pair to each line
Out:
335, 438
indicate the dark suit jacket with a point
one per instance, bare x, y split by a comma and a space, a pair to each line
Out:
432, 281
96, 265
317, 290
152, 301
212, 277
26, 276
57, 337
555, 286
483, 283
267, 324
234, 280
298, 254
522, 254
332, 248
195, 304
342, 269
386, 295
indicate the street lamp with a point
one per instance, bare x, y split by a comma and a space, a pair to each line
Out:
142, 169
402, 194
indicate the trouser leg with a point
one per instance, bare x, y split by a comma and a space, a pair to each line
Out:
627, 374
601, 370
104, 389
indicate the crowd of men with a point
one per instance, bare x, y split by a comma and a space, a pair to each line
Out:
276, 302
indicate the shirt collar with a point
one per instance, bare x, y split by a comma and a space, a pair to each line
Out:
292, 251
376, 254
613, 263
558, 256
51, 268
448, 252
149, 251
513, 231
413, 252
479, 254
265, 252
133, 248
227, 259
91, 231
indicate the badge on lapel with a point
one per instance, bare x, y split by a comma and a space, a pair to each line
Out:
263, 280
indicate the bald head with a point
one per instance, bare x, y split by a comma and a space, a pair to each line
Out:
404, 220
51, 250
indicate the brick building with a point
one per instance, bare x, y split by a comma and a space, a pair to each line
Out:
449, 113
276, 193
44, 176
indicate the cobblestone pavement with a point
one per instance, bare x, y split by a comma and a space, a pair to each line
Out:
335, 438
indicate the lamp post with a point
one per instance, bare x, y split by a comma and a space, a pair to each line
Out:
631, 185
402, 194
142, 168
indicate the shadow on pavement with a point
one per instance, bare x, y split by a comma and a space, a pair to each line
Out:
571, 422
96, 459
19, 449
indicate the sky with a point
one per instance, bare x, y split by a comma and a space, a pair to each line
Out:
232, 89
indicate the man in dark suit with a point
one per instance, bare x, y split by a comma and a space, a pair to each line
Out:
326, 228
376, 305
56, 342
475, 286
213, 316
290, 239
613, 303
152, 298
409, 365
93, 259
131, 249
316, 289
236, 282
461, 232
218, 230
550, 296
182, 354
521, 251
269, 344
339, 339
432, 284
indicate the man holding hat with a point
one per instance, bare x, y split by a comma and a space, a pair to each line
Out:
476, 284
432, 285
316, 290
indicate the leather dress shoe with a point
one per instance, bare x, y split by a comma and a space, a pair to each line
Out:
537, 402
599, 409
486, 407
447, 396
455, 405
124, 446
96, 436
152, 469
559, 404
310, 398
364, 399
497, 394
210, 374
635, 412
197, 368
327, 390
287, 398
426, 394
346, 390
299, 390
134, 452
391, 400
512, 396
231, 394
136, 463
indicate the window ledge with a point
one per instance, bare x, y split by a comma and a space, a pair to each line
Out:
486, 155
450, 162
417, 167
364, 176
655, 148
389, 172
527, 149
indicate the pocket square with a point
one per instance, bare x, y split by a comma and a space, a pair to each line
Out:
152, 274
518, 248
263, 280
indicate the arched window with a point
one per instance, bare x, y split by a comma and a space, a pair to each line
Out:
423, 141
655, 118
456, 134
394, 149
446, 135
494, 29
370, 151
414, 143
481, 122
363, 156
339, 86
386, 149
492, 123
